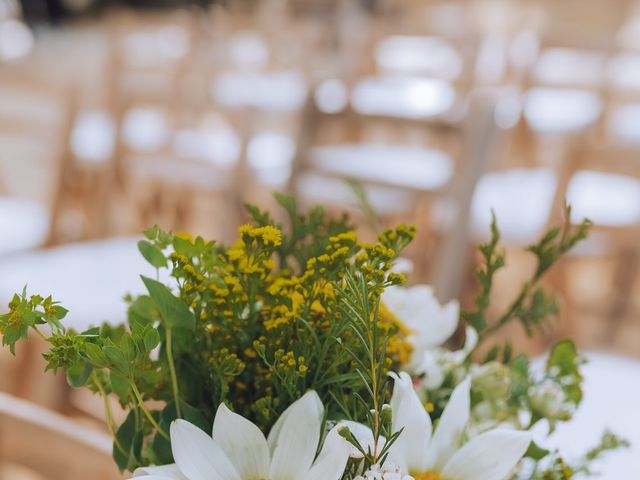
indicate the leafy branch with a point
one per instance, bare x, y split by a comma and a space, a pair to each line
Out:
532, 305
360, 301
308, 235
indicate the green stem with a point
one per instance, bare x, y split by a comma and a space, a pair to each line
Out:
374, 383
146, 411
172, 372
108, 413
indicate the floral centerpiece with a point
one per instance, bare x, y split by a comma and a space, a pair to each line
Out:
299, 352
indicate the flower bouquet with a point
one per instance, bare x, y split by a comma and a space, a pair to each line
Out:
299, 352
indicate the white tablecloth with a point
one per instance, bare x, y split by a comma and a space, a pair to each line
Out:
611, 401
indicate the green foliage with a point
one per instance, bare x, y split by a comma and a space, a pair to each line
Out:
26, 313
371, 218
287, 309
532, 306
152, 254
254, 325
563, 366
360, 304
555, 467
174, 312
494, 260
608, 442
308, 235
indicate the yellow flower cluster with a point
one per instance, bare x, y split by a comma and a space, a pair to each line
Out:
262, 325
268, 235
398, 346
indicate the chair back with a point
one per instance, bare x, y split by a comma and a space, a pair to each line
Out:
51, 445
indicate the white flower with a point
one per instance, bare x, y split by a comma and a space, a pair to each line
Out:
402, 265
237, 449
438, 362
491, 455
431, 324
549, 399
388, 471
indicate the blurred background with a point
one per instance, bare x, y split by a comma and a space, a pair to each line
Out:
117, 115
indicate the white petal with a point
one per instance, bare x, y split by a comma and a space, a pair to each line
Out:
297, 439
418, 308
242, 442
197, 455
171, 472
431, 368
277, 427
489, 456
449, 432
471, 340
394, 299
437, 324
410, 449
333, 458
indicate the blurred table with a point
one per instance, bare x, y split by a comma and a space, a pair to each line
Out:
89, 279
611, 400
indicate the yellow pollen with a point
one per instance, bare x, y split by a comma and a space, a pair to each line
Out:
426, 476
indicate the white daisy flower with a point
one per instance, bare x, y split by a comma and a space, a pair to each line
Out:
237, 449
442, 455
431, 324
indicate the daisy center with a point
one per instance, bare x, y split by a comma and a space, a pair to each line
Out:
426, 476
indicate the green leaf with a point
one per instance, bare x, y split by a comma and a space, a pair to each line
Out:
563, 366
520, 379
564, 356
161, 447
79, 374
120, 386
172, 310
91, 332
189, 414
536, 452
260, 217
151, 339
128, 347
164, 238
123, 450
143, 311
116, 357
152, 254
151, 233
183, 246
95, 355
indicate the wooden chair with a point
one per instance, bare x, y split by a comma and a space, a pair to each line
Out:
51, 445
35, 116
408, 165
602, 182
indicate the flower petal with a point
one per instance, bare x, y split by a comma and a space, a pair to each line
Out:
449, 432
296, 441
170, 472
431, 368
489, 456
242, 442
418, 308
197, 455
333, 458
272, 439
437, 323
410, 449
